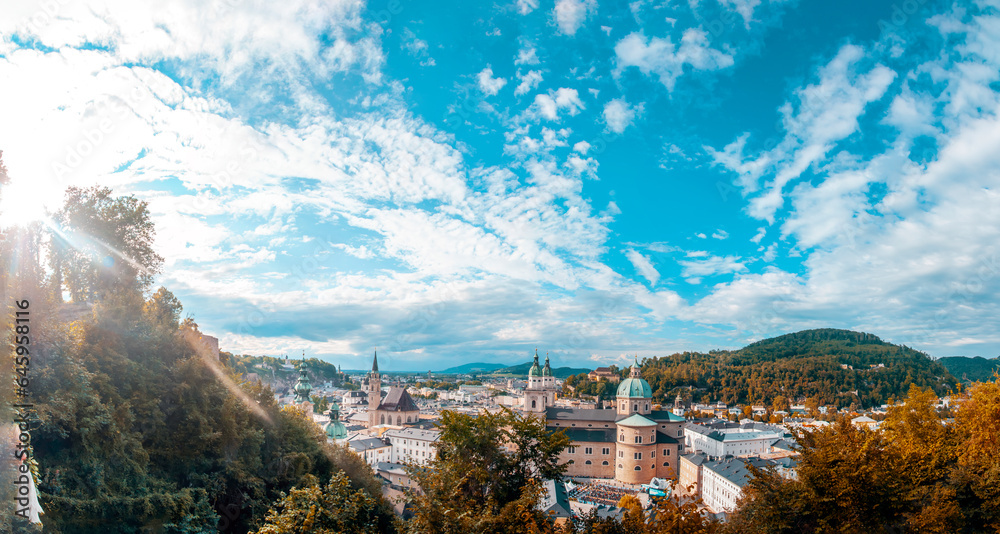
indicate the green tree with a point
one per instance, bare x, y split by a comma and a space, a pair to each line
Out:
332, 509
104, 245
487, 475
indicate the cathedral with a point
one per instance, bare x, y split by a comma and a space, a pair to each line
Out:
632, 443
397, 408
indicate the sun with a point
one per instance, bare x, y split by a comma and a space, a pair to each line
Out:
21, 203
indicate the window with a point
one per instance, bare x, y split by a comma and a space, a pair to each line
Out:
666, 452
647, 406
588, 450
637, 468
619, 466
605, 462
587, 462
621, 437
666, 464
621, 454
652, 454
678, 432
572, 450
637, 456
383, 419
638, 439
635, 407
532, 403
606, 451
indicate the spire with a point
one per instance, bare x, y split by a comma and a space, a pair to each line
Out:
375, 362
634, 372
536, 369
547, 370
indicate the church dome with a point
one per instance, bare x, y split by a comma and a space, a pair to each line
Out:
335, 430
635, 387
547, 370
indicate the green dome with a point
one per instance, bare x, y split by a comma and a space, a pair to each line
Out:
335, 430
635, 388
536, 370
547, 370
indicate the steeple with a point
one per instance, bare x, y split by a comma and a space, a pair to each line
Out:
634, 372
547, 370
302, 386
535, 370
375, 362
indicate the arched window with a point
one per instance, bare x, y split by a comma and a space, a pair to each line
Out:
383, 419
605, 462
399, 420
407, 418
635, 407
533, 403
647, 406
666, 464
588, 462
638, 468
619, 466
621, 437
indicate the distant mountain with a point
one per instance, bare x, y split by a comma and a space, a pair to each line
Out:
522, 369
976, 369
478, 367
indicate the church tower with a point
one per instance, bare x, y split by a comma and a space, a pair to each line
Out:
535, 396
374, 391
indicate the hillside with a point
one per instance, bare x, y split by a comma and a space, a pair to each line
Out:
558, 372
478, 367
838, 367
976, 369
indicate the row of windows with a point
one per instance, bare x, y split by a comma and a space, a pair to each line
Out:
639, 467
589, 450
588, 462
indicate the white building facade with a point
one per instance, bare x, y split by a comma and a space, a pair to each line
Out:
413, 445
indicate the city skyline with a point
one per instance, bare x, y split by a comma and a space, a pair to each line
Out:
464, 182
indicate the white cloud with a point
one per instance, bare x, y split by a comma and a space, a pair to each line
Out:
549, 105
526, 56
720, 234
708, 265
744, 7
618, 115
570, 14
827, 112
581, 147
529, 81
487, 83
526, 6
661, 57
643, 266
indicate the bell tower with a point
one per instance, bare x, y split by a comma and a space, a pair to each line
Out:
374, 391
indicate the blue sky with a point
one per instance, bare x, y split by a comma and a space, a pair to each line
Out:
466, 181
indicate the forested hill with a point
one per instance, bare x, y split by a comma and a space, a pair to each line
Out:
973, 369
838, 367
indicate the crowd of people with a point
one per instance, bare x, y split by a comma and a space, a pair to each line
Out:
599, 494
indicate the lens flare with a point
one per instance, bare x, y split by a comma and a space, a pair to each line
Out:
20, 204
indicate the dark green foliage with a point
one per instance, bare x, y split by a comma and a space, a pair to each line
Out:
795, 366
487, 475
976, 369
332, 509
